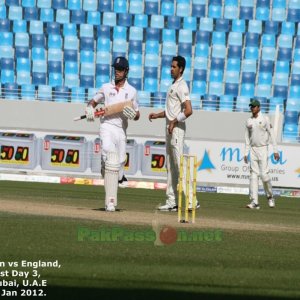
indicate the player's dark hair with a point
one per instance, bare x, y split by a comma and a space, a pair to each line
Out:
180, 62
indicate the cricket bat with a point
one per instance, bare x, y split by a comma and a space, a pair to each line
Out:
108, 110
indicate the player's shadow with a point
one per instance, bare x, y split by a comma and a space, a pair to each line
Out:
103, 209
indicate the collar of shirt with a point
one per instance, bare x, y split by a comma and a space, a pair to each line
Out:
178, 80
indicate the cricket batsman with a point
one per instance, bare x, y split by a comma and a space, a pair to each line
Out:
113, 128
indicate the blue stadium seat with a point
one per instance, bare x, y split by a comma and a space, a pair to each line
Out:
10, 91
199, 87
78, 94
71, 42
232, 77
249, 65
136, 33
90, 5
251, 53
218, 38
78, 17
87, 81
242, 104
157, 21
169, 35
231, 89
216, 76
248, 77
63, 16
151, 47
103, 69
262, 13
165, 72
74, 4
293, 15
44, 92
6, 39
291, 117
252, 39
263, 90
234, 51
198, 10
231, 11
203, 37
55, 79
141, 20
295, 79
21, 39
10, 16
54, 66
53, 28
169, 48
71, 80
4, 25
19, 26
135, 71
38, 40
266, 66
201, 50
215, 11
109, 19
166, 60
284, 54
215, 88
200, 63
55, 54
247, 89
71, 67
271, 27
54, 41
274, 102
61, 94
268, 53
12, 2
105, 5
290, 133
119, 48
246, 12
226, 103
167, 8
288, 28
46, 15
43, 3
185, 49
31, 13
278, 14
38, 78
87, 43
27, 92
153, 34
210, 102
195, 101
293, 104
23, 64
135, 46
200, 74
7, 76
282, 67
21, 52
150, 84
174, 22
206, 24
294, 92
103, 31
87, 56
136, 82
190, 23
183, 9
265, 78
136, 6
125, 19
101, 79
103, 45
218, 51
38, 54
144, 98
59, 4
150, 72
69, 30
158, 99
39, 66
120, 6
268, 40
280, 91
151, 7
222, 25
217, 63
86, 30
94, 18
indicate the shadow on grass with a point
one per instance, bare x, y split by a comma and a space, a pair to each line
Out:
74, 293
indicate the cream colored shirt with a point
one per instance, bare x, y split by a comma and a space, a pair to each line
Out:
177, 94
259, 133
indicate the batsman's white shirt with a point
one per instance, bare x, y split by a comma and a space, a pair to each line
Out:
113, 128
108, 94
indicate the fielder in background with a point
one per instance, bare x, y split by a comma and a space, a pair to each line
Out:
113, 128
258, 134
178, 109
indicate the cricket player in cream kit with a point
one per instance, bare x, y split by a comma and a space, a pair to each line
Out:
113, 128
258, 135
178, 109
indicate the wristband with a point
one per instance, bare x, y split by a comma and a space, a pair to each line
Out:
181, 117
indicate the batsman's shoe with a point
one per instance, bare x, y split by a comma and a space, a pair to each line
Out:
168, 207
110, 207
271, 202
196, 207
123, 183
253, 205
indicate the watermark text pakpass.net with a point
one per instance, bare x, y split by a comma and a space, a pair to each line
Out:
166, 234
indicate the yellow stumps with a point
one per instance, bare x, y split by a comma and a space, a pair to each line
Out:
186, 181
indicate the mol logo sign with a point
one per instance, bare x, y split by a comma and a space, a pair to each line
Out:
230, 154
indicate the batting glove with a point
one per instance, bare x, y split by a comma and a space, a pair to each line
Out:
90, 113
129, 112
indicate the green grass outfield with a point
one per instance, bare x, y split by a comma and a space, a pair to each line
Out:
244, 264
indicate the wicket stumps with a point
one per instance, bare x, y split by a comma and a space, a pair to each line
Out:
185, 175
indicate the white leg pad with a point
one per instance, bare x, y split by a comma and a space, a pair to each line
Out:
111, 178
268, 188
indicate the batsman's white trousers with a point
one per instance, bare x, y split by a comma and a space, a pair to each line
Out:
113, 139
259, 167
174, 149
